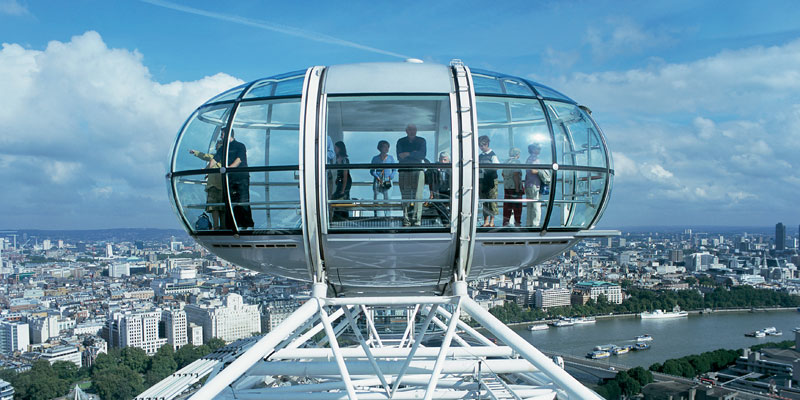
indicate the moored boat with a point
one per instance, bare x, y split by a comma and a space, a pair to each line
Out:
584, 320
563, 322
599, 354
660, 314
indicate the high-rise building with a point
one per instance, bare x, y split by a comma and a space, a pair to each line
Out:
780, 236
231, 321
136, 330
46, 245
13, 337
109, 250
176, 327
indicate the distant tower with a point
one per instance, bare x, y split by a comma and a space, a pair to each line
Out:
780, 236
109, 250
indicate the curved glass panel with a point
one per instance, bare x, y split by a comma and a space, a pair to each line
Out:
522, 196
515, 124
548, 92
201, 137
517, 133
278, 86
200, 201
373, 132
486, 82
228, 95
578, 198
265, 201
577, 139
270, 131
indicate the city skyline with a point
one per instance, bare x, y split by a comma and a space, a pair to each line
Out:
698, 102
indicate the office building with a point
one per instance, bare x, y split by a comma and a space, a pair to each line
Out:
14, 337
62, 353
176, 328
780, 236
136, 330
229, 321
195, 333
44, 328
611, 291
546, 298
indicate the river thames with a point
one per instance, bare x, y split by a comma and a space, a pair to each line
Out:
672, 338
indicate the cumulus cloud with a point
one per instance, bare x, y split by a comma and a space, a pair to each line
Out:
13, 8
711, 141
621, 35
86, 126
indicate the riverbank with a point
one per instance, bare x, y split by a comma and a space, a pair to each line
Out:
635, 315
672, 338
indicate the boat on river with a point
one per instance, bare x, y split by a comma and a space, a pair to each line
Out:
538, 327
644, 338
563, 322
599, 354
641, 346
584, 320
621, 350
660, 314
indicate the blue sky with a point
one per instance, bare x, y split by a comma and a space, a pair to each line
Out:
700, 101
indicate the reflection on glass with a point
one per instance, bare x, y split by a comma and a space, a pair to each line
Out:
201, 134
514, 123
270, 130
486, 82
586, 197
407, 132
577, 140
229, 95
273, 201
282, 86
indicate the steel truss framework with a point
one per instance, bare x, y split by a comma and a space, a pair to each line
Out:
305, 357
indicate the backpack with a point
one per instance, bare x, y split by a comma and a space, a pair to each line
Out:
202, 223
488, 173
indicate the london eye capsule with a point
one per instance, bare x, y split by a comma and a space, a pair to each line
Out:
390, 178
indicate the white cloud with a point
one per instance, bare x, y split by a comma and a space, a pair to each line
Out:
708, 136
621, 35
85, 124
705, 127
12, 7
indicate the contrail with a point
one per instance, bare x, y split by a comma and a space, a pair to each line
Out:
315, 36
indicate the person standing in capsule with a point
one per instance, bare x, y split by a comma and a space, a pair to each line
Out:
411, 150
238, 182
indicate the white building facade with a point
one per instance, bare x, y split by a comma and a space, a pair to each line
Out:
231, 321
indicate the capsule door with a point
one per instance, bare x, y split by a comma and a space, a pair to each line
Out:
387, 217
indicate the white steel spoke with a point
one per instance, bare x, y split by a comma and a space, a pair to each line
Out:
366, 349
351, 392
414, 347
437, 368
